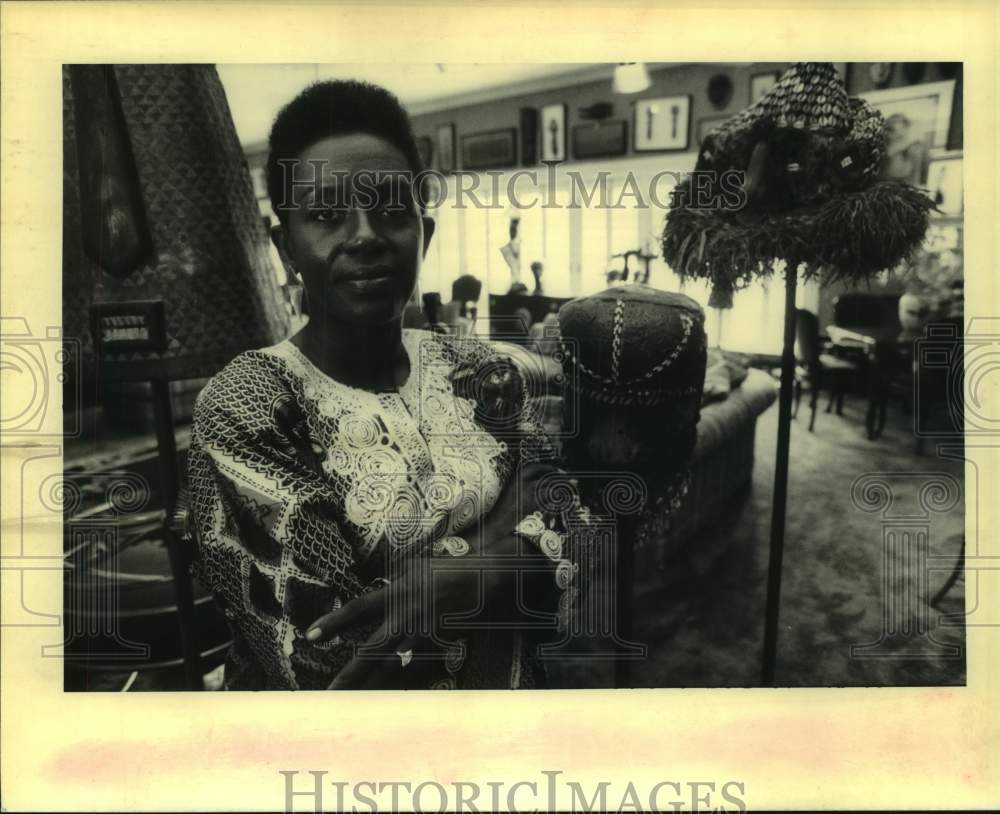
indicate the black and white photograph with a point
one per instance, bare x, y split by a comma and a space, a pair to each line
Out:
354, 352
332, 415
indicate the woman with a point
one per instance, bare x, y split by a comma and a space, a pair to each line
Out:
351, 484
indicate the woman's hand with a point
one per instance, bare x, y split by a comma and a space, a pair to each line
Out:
412, 611
412, 608
519, 499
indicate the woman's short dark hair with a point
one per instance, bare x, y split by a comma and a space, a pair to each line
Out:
335, 108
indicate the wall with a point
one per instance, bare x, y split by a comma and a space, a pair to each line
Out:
682, 79
693, 79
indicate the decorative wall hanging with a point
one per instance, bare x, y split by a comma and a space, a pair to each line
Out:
813, 201
193, 239
553, 133
720, 90
761, 83
662, 124
600, 139
446, 148
491, 150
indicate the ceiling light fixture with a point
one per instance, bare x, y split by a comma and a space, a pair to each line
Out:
630, 77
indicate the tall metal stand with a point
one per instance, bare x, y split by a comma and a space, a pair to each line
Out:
780, 498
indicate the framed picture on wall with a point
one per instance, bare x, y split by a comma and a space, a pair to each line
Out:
761, 83
917, 118
600, 139
662, 124
553, 133
494, 149
944, 182
446, 148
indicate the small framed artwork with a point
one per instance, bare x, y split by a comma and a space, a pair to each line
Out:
662, 124
761, 83
600, 139
917, 118
944, 182
915, 112
446, 148
490, 150
707, 125
553, 133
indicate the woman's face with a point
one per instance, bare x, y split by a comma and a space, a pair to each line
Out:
356, 238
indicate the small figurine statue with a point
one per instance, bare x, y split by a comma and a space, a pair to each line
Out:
511, 251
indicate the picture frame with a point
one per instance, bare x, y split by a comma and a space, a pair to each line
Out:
928, 106
493, 149
917, 120
446, 147
945, 183
600, 139
662, 123
706, 125
553, 132
761, 83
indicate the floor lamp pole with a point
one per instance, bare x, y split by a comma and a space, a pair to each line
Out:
780, 498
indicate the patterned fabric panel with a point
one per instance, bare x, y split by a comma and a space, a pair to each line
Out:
210, 263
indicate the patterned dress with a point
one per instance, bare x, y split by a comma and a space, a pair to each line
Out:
297, 479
